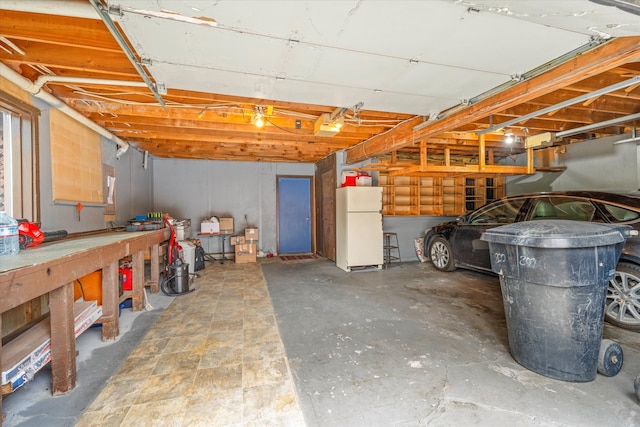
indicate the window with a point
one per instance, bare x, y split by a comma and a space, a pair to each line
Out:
19, 158
621, 214
563, 208
502, 212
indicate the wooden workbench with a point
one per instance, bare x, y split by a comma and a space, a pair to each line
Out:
52, 268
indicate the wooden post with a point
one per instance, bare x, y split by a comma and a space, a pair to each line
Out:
481, 154
110, 302
423, 156
138, 280
530, 168
63, 340
155, 268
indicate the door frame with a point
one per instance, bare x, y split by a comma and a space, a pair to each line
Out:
312, 219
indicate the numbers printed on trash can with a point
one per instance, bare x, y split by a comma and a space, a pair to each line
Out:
500, 257
527, 261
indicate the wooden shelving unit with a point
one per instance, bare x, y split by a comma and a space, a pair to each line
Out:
453, 196
412, 195
430, 196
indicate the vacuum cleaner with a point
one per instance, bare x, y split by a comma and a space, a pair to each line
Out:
175, 280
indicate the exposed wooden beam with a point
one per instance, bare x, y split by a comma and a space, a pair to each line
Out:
62, 30
434, 170
80, 59
395, 138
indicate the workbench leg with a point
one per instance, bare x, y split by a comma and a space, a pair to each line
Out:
155, 269
138, 281
110, 302
63, 340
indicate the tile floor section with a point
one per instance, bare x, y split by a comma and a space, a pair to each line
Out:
213, 358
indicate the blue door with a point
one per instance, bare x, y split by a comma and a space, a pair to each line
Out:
294, 215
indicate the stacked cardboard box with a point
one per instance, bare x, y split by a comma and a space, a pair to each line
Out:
245, 252
245, 246
237, 240
226, 225
251, 234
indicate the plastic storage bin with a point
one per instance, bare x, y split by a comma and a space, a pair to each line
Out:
188, 254
553, 276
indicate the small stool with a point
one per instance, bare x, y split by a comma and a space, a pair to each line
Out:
391, 248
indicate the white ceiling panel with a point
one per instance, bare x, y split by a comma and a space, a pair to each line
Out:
417, 57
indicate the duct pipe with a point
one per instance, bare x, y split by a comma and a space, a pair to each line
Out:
42, 80
586, 128
34, 90
612, 88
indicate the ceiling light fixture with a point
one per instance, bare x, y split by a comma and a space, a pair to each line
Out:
509, 138
259, 119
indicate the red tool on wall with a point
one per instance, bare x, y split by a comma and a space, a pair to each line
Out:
30, 235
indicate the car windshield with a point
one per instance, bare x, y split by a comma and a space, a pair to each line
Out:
501, 212
562, 208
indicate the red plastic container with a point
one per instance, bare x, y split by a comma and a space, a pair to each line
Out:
354, 178
126, 280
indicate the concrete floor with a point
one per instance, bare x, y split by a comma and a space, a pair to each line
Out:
407, 346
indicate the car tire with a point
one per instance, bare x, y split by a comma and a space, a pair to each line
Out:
441, 255
636, 386
610, 358
623, 297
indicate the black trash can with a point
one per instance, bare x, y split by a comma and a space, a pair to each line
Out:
554, 276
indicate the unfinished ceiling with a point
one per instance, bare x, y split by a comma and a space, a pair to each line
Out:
405, 77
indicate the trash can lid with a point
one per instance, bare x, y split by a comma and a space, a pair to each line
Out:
558, 234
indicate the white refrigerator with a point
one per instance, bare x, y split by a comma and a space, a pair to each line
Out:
359, 227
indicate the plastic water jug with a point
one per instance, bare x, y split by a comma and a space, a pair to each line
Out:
9, 239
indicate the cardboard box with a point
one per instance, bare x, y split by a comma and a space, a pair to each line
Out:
237, 240
226, 225
251, 234
209, 227
245, 253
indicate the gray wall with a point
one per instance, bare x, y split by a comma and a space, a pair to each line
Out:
408, 229
245, 191
133, 186
591, 165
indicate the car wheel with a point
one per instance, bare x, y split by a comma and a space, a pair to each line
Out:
441, 255
623, 297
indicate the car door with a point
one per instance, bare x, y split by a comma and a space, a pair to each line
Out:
469, 250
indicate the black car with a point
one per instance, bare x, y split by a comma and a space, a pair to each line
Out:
457, 243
